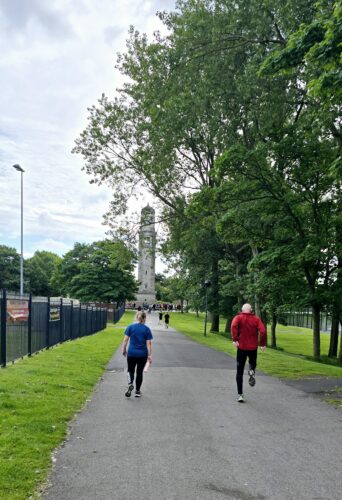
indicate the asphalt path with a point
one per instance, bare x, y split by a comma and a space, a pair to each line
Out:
187, 437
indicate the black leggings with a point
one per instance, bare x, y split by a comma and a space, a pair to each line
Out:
241, 357
140, 363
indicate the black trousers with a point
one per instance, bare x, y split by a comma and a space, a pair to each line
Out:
241, 357
139, 364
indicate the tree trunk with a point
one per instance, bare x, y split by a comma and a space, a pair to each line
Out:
182, 305
273, 331
197, 313
257, 310
227, 327
215, 299
335, 321
237, 278
215, 323
316, 310
228, 324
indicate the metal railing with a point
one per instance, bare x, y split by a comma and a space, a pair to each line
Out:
304, 319
29, 324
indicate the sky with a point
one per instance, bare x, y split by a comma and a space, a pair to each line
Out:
56, 59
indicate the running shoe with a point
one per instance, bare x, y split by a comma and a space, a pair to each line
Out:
240, 399
138, 394
251, 380
129, 391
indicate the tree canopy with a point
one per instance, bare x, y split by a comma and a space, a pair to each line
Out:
101, 271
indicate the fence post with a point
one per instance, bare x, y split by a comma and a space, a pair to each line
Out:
80, 320
3, 328
86, 321
47, 340
29, 327
71, 317
61, 321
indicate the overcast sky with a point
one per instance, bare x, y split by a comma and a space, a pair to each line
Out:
56, 59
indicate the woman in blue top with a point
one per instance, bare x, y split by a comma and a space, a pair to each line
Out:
139, 351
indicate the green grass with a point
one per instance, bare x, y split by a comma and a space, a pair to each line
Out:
38, 397
297, 340
127, 318
284, 364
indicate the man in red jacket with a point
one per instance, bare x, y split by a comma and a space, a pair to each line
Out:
246, 328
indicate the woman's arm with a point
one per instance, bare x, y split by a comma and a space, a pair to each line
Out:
149, 350
124, 347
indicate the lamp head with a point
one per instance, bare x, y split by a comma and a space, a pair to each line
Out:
207, 283
18, 167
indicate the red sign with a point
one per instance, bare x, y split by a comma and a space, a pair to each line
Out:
17, 310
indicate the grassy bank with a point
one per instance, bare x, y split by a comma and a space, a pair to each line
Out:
289, 363
38, 397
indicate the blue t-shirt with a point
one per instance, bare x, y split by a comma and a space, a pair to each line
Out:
138, 333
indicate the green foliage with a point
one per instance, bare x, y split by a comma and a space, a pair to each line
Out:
101, 271
9, 268
315, 48
38, 273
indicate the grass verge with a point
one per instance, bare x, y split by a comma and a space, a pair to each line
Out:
284, 364
38, 397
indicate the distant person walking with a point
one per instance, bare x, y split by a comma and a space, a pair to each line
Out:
139, 351
160, 317
167, 319
246, 328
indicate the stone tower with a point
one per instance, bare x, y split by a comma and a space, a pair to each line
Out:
147, 256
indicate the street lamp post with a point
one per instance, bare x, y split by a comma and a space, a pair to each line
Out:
207, 285
19, 169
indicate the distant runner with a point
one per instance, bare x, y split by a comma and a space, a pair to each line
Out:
245, 331
139, 351
160, 317
167, 319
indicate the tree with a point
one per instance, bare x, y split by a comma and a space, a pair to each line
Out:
315, 49
101, 271
313, 56
69, 267
9, 268
39, 270
296, 197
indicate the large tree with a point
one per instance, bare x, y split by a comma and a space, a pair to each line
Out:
39, 270
101, 271
9, 268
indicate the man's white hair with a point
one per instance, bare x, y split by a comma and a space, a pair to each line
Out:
246, 308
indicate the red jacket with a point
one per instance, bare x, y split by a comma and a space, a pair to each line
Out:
245, 329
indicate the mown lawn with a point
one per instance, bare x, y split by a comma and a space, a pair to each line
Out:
38, 397
297, 340
290, 363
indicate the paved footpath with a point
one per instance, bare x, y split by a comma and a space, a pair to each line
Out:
187, 438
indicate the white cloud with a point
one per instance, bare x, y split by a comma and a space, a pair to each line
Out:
57, 58
50, 245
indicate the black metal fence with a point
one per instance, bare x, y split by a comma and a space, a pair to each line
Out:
305, 319
115, 310
29, 324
